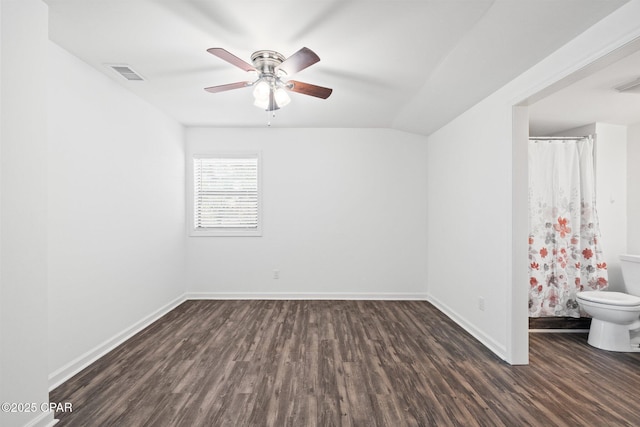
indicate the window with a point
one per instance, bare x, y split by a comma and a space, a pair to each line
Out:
226, 195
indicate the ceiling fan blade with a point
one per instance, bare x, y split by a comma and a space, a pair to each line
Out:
309, 89
300, 60
230, 86
231, 58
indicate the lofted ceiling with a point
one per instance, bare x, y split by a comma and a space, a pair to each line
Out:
411, 65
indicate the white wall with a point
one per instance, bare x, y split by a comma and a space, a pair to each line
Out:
474, 240
115, 212
633, 189
23, 262
344, 216
469, 221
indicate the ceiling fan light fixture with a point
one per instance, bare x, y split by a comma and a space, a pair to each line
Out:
261, 91
269, 94
263, 104
282, 97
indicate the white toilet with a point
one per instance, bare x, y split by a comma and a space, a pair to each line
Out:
615, 323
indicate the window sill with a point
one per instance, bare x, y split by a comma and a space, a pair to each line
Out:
225, 233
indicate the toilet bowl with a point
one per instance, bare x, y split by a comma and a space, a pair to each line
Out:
616, 315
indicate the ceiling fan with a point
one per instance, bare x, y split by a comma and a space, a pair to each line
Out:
272, 68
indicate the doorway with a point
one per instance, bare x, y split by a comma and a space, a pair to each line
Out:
538, 115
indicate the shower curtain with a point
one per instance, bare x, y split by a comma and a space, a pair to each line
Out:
565, 256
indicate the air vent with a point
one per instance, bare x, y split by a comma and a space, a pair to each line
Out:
630, 86
126, 72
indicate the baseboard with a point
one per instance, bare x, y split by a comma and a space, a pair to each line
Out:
72, 368
487, 341
45, 419
558, 331
384, 296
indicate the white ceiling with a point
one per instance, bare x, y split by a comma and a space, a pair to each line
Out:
590, 100
412, 65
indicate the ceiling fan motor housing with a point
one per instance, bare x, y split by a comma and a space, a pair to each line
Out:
266, 61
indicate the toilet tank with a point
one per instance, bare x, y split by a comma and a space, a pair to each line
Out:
630, 265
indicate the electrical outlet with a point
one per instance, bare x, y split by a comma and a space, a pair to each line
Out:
481, 303
276, 274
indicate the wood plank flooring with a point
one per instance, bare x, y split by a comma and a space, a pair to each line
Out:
343, 363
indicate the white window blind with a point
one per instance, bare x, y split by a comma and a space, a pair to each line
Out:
226, 194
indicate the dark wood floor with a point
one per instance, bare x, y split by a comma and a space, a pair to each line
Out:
351, 363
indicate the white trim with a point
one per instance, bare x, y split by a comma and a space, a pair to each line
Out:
381, 296
484, 339
45, 419
517, 344
75, 366
559, 331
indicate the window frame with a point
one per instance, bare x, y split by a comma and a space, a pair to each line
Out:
191, 202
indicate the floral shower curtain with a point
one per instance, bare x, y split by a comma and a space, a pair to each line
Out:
564, 249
